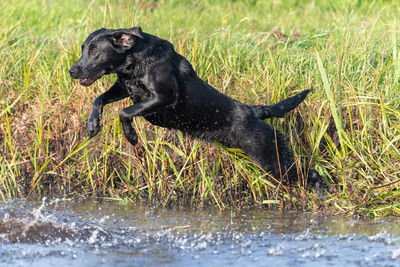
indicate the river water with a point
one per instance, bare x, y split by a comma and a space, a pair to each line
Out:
87, 233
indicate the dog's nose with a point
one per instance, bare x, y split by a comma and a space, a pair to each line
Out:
73, 71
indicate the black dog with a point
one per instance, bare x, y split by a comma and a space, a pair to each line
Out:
166, 91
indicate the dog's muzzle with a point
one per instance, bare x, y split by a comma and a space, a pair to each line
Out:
85, 81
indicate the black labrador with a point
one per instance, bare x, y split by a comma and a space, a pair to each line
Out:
166, 91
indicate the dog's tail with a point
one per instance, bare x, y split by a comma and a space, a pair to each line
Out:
280, 108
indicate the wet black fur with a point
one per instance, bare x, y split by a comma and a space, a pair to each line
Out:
166, 91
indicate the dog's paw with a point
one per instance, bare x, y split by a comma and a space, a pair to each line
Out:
130, 134
318, 184
93, 128
132, 138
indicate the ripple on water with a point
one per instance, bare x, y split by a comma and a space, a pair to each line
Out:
89, 233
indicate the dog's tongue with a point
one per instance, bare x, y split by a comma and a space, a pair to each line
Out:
89, 80
85, 81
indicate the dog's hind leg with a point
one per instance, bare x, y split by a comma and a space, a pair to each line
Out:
279, 109
267, 147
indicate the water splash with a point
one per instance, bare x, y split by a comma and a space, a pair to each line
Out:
20, 224
110, 234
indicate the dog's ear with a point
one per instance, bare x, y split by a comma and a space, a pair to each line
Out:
137, 31
125, 38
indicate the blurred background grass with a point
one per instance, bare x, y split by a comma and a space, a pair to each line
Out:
255, 51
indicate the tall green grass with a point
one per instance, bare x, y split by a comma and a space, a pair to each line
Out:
347, 129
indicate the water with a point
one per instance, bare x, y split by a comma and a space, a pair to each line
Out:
85, 233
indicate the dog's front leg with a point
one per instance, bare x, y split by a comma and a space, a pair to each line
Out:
142, 108
115, 93
163, 88
129, 132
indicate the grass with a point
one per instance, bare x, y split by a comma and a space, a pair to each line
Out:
347, 129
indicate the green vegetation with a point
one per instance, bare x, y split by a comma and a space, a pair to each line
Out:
348, 128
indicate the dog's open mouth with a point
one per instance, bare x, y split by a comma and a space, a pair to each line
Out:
89, 80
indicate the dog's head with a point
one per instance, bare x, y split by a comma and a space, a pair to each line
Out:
104, 52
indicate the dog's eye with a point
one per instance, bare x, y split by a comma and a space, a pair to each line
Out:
93, 51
